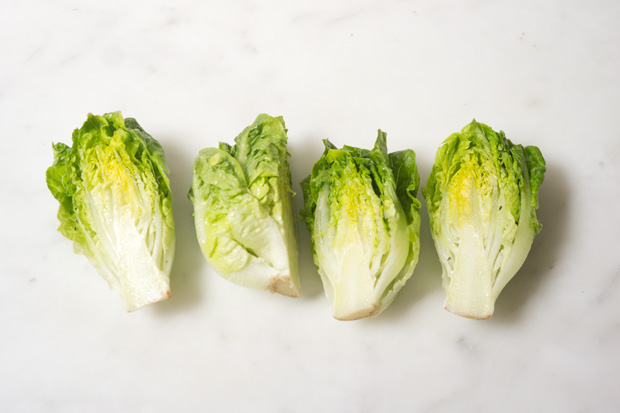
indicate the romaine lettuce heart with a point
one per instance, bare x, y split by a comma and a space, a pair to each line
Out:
116, 205
243, 209
482, 196
361, 211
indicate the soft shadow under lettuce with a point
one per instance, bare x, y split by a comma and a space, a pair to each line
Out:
186, 275
304, 153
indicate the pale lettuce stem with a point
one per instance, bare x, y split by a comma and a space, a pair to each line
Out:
470, 284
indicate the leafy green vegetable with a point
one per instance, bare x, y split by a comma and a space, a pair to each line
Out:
482, 197
361, 211
243, 208
116, 205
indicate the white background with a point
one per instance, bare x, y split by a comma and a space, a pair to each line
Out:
195, 73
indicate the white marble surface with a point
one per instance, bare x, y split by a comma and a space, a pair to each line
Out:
194, 73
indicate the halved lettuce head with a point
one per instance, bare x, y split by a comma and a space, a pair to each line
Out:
482, 197
116, 205
362, 213
243, 208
